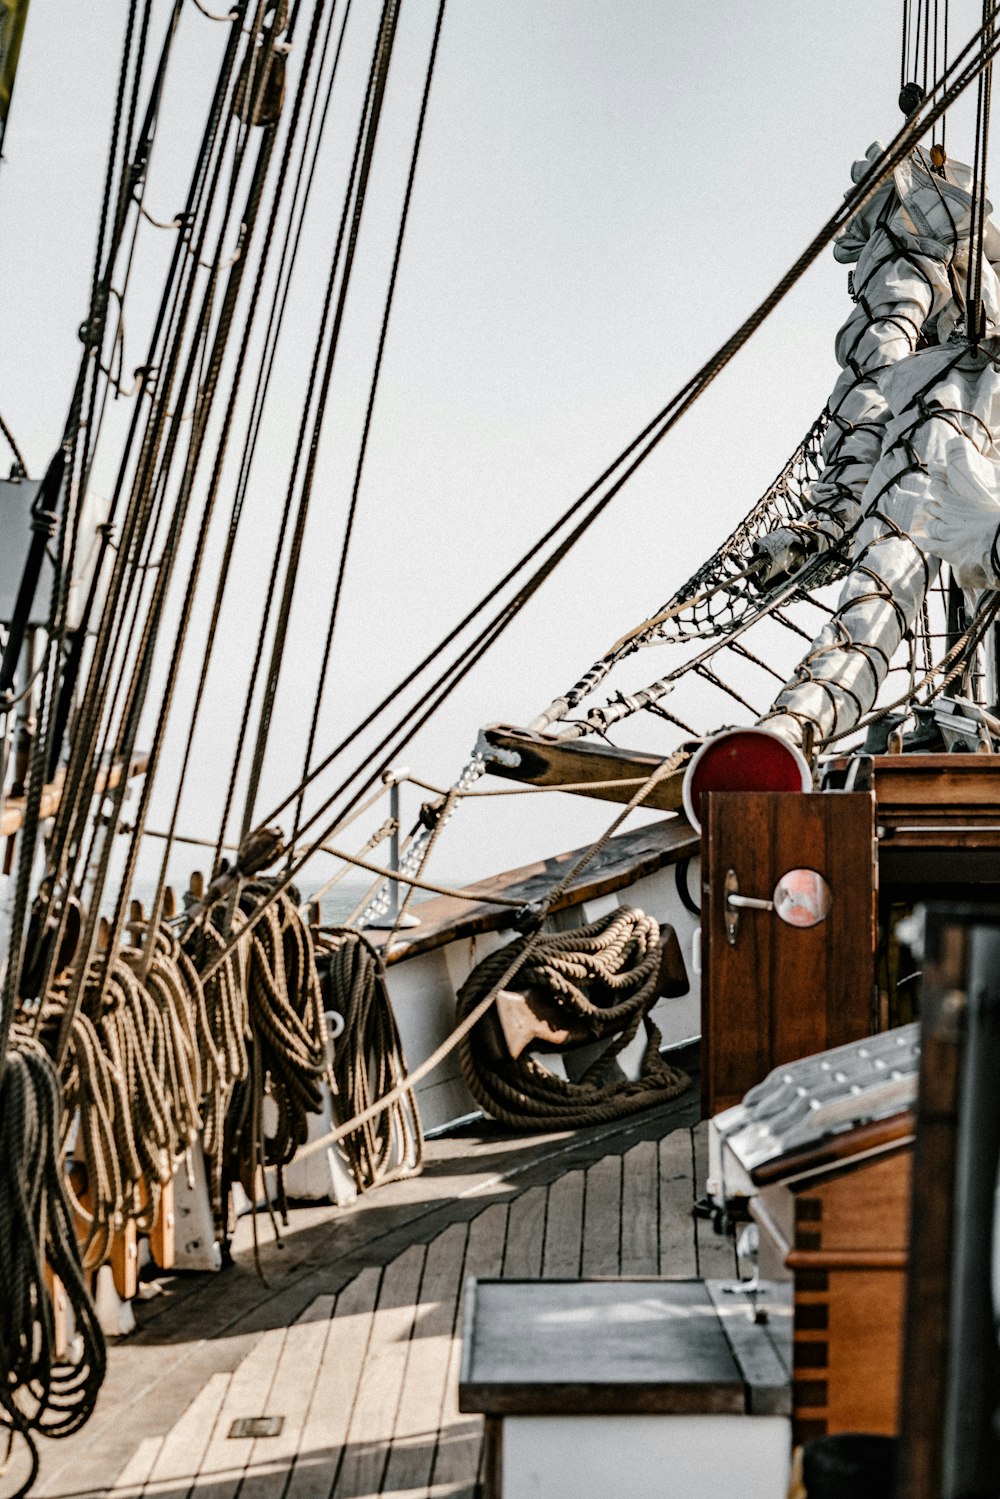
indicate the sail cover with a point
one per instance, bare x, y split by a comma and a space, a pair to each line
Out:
910, 471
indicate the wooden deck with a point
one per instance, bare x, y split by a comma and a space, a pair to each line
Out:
354, 1342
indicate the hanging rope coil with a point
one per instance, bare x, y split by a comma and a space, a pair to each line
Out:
286, 1040
368, 1063
604, 976
39, 1390
132, 1081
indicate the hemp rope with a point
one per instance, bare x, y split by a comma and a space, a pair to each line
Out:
368, 1063
286, 1040
39, 1392
605, 975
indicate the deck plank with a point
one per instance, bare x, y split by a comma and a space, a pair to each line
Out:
716, 1252
564, 1228
678, 1244
418, 1419
381, 1380
224, 1462
133, 1478
522, 1259
602, 1217
325, 1429
184, 1445
291, 1397
640, 1249
460, 1440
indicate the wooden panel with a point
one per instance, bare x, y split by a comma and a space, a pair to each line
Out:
179, 1457
612, 1346
223, 1464
864, 1208
582, 765
418, 1419
628, 857
460, 1440
290, 1397
336, 1382
780, 993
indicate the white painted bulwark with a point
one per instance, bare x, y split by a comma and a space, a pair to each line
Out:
645, 1457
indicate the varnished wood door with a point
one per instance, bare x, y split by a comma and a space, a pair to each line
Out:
777, 992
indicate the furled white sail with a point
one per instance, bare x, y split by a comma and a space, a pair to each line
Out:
910, 462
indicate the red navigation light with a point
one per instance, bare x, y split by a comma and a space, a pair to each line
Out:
743, 760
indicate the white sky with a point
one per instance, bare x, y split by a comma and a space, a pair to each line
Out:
607, 188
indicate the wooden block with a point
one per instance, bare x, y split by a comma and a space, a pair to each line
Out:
124, 1260
161, 1238
57, 1296
534, 1016
136, 922
538, 761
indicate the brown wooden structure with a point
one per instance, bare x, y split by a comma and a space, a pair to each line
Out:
835, 1220
773, 993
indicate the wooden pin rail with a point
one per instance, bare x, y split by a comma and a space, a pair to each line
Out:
12, 816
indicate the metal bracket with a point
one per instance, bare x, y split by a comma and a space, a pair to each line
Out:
731, 914
735, 903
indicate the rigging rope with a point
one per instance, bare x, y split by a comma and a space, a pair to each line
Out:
321, 371
628, 461
604, 980
368, 1065
369, 411
12, 444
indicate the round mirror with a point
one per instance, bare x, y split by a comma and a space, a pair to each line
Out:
802, 898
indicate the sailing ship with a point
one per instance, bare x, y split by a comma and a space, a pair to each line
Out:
497, 1081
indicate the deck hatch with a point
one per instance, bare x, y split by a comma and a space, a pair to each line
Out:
256, 1426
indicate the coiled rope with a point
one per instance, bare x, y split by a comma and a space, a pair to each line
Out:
132, 1076
603, 976
368, 1063
39, 1390
286, 1041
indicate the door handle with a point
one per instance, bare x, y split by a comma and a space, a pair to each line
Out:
802, 898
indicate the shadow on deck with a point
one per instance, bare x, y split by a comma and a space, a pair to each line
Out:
355, 1340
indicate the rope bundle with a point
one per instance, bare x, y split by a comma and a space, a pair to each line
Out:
368, 1063
39, 1392
133, 1078
286, 1039
604, 975
225, 1058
